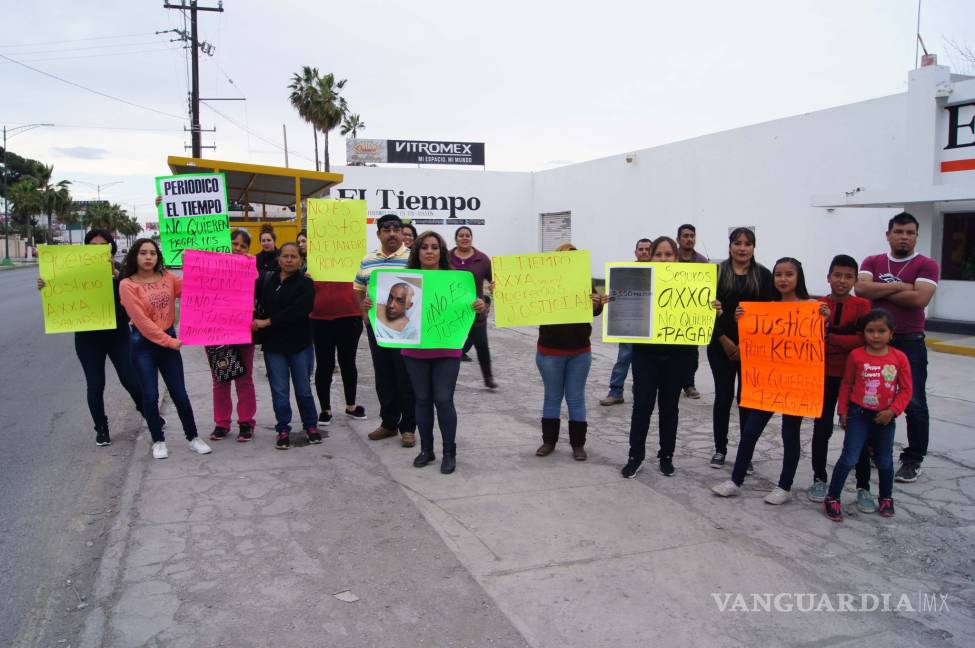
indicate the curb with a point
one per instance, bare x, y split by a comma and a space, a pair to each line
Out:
948, 347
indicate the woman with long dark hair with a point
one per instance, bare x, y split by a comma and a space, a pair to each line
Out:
223, 404
267, 258
149, 295
94, 347
790, 286
433, 372
740, 278
286, 298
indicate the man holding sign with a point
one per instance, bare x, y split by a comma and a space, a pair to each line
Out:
396, 408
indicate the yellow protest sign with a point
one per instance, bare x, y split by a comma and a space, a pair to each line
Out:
546, 288
660, 303
336, 238
781, 349
78, 293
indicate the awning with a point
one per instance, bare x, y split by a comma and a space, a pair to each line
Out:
256, 183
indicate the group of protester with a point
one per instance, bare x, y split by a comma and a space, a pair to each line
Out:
875, 356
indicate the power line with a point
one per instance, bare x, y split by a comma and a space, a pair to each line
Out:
72, 58
266, 140
87, 89
76, 40
64, 50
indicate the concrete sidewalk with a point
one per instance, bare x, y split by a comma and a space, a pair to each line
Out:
247, 546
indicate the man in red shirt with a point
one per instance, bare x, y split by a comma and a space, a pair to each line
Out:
843, 334
903, 283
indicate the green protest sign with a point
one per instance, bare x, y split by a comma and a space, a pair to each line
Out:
421, 309
195, 194
207, 233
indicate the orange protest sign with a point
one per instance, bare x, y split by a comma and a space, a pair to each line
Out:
781, 349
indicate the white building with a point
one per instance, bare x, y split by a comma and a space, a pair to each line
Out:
812, 186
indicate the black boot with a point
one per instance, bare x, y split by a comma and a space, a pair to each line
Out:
426, 456
550, 436
577, 439
449, 461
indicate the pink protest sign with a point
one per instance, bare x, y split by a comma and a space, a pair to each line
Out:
217, 305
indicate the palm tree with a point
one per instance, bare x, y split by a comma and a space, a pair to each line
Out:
304, 91
68, 213
352, 124
52, 195
26, 205
329, 108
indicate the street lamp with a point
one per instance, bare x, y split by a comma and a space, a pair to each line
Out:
16, 130
98, 187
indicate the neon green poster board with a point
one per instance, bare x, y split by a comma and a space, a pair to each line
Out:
545, 288
421, 309
660, 303
336, 238
207, 233
78, 293
192, 194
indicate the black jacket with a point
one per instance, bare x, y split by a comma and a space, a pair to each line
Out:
267, 261
288, 306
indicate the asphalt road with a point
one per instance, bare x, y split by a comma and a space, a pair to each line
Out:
58, 489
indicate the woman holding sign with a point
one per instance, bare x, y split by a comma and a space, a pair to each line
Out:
790, 284
740, 278
659, 373
286, 298
433, 372
223, 404
149, 295
563, 357
94, 347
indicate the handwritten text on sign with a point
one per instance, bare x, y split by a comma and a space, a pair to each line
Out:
447, 307
192, 195
208, 233
78, 293
546, 288
336, 238
781, 348
217, 304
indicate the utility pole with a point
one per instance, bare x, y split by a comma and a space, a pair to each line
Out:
193, 8
284, 129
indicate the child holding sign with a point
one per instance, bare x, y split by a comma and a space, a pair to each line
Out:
564, 356
875, 389
149, 295
790, 282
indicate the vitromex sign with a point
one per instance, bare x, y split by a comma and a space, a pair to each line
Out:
363, 151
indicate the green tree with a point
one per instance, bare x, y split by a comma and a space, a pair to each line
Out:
303, 97
68, 213
330, 108
25, 206
352, 124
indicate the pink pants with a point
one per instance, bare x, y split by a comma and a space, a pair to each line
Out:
223, 405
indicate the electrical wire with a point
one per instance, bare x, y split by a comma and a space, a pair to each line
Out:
266, 140
72, 58
65, 50
75, 40
87, 89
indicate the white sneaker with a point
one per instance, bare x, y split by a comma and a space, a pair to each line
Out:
778, 496
726, 489
159, 450
198, 446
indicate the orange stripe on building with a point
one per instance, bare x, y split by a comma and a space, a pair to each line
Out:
958, 165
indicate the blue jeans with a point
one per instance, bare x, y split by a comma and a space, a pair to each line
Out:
620, 369
92, 348
433, 381
754, 426
298, 367
149, 360
564, 377
912, 345
860, 429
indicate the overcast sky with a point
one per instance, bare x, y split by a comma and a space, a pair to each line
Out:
542, 82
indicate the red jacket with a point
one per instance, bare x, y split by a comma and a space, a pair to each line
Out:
876, 382
843, 331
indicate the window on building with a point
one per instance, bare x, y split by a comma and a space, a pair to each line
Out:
554, 230
958, 247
